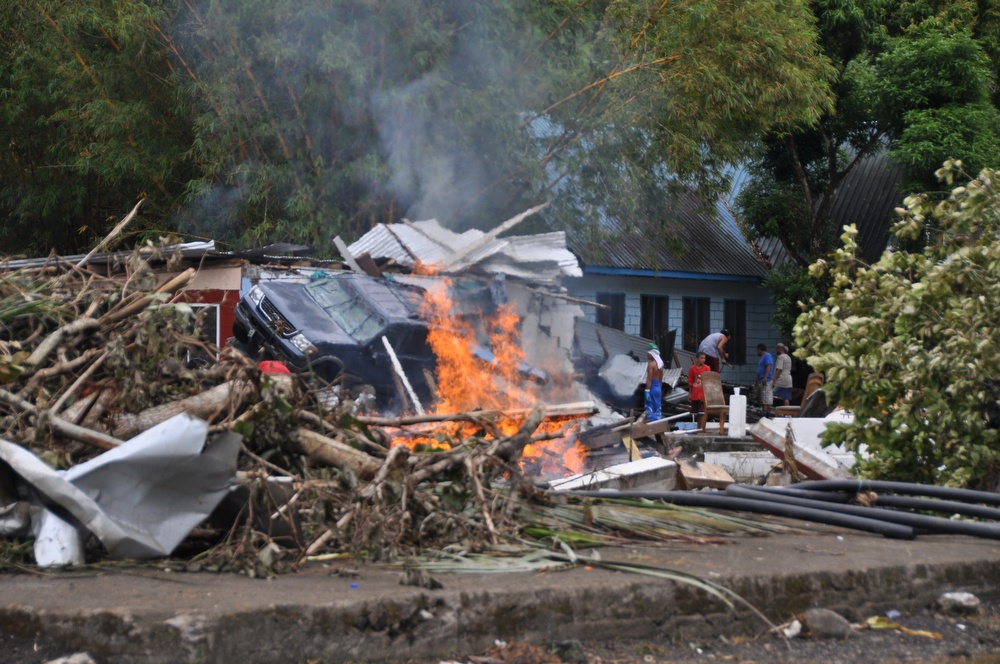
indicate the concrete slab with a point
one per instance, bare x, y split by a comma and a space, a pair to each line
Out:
805, 436
652, 474
151, 616
748, 467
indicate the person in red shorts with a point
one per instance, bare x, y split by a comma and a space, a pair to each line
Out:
697, 396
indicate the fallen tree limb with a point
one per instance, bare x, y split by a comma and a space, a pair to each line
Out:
330, 452
51, 342
509, 449
145, 300
577, 408
71, 390
318, 421
202, 405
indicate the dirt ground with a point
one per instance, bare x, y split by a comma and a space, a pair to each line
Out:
965, 640
973, 639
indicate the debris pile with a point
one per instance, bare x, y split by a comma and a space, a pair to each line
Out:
97, 363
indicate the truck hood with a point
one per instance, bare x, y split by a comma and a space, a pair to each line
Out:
304, 313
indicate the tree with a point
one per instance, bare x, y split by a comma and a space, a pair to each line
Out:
914, 81
250, 121
910, 344
87, 124
907, 76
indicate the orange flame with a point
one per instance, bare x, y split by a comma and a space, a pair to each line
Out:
467, 383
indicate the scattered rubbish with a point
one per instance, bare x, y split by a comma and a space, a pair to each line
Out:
959, 603
892, 614
880, 622
825, 623
140, 499
793, 629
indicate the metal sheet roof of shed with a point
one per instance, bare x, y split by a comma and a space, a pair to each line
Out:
542, 257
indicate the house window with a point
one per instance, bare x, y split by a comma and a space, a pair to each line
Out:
653, 320
735, 320
612, 313
696, 321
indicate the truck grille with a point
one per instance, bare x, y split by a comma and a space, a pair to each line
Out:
277, 321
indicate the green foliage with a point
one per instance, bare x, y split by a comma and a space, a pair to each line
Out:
793, 290
910, 343
252, 121
88, 121
913, 80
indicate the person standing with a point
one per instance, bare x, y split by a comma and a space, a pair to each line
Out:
783, 374
765, 372
654, 388
696, 394
714, 348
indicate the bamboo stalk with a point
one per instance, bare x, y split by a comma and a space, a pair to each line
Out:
60, 425
135, 307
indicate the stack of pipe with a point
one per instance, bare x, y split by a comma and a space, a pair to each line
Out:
894, 509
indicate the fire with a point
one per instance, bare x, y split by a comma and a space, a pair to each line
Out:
466, 382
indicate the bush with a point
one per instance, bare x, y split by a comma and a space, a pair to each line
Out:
910, 344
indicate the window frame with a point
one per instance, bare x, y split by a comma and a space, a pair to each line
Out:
614, 316
734, 315
697, 326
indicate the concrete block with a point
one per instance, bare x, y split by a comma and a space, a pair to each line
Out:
652, 474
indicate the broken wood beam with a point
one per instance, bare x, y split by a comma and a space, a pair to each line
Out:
328, 451
573, 409
202, 405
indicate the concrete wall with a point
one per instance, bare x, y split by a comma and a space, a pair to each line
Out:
759, 308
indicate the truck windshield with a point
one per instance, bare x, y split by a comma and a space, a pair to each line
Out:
347, 308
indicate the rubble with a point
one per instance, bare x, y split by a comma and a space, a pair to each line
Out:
104, 367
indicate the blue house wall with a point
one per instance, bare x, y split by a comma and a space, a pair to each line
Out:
718, 289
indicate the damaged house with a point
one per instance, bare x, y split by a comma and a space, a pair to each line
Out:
705, 278
677, 284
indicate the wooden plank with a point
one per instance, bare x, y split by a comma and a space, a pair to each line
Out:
633, 450
698, 474
643, 429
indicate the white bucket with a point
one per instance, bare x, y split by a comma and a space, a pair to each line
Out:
737, 414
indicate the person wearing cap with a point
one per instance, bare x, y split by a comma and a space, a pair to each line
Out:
783, 374
714, 348
653, 403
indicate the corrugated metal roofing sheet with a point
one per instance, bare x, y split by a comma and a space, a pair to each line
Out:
868, 198
597, 342
542, 257
710, 245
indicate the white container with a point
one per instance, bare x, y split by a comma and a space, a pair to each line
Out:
737, 414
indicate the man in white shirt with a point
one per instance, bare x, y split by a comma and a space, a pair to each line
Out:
783, 374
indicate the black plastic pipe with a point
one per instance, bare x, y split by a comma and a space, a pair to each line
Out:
931, 524
907, 488
903, 502
722, 501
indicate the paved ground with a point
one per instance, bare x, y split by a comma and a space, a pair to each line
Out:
339, 612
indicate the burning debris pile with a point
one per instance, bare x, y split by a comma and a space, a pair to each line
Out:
126, 434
